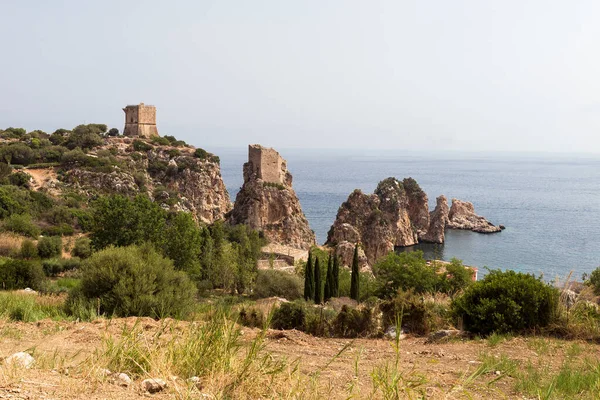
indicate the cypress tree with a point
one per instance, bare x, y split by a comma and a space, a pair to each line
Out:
309, 284
329, 286
354, 279
317, 282
336, 277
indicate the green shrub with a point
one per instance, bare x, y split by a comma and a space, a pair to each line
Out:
417, 314
63, 229
139, 145
21, 274
49, 246
271, 283
82, 248
71, 264
52, 267
134, 281
28, 249
289, 316
22, 223
405, 271
86, 136
506, 302
354, 322
251, 318
594, 281
161, 141
19, 178
456, 277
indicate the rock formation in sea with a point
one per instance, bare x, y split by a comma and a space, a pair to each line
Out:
438, 219
395, 215
267, 202
462, 216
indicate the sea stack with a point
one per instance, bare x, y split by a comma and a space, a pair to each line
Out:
462, 216
267, 202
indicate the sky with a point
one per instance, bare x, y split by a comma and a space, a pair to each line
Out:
466, 75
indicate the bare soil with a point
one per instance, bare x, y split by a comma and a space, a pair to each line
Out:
59, 346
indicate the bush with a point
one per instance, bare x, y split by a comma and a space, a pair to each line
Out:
82, 248
354, 322
161, 141
49, 247
28, 249
19, 178
22, 223
86, 136
289, 316
52, 267
134, 281
418, 315
252, 318
139, 145
594, 281
71, 264
456, 277
506, 302
21, 274
271, 283
405, 271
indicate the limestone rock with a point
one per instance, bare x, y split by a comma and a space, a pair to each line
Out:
445, 335
20, 360
462, 216
122, 379
153, 385
267, 202
438, 219
395, 215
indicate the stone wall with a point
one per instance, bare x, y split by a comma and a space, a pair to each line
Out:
140, 120
267, 164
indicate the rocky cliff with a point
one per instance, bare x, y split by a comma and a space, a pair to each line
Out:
178, 177
438, 220
395, 215
267, 202
462, 216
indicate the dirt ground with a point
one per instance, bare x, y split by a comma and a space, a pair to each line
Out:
59, 346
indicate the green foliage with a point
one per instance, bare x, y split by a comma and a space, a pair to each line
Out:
251, 318
405, 271
140, 145
335, 290
594, 281
5, 171
506, 302
28, 250
275, 185
318, 287
354, 280
456, 278
21, 274
329, 285
19, 178
120, 221
82, 248
17, 153
12, 133
271, 283
182, 243
289, 316
161, 141
418, 314
113, 132
309, 279
134, 281
23, 224
354, 322
86, 136
49, 247
205, 155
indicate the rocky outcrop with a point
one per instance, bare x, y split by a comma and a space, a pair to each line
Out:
438, 220
267, 202
392, 216
178, 178
462, 216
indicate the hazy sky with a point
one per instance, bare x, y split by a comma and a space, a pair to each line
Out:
470, 75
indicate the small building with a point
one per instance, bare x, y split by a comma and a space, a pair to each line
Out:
140, 121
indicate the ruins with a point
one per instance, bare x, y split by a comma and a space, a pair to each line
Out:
140, 121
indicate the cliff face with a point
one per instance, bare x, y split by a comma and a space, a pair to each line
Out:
267, 202
392, 216
438, 220
176, 177
462, 216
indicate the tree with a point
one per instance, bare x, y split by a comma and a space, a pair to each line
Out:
183, 243
408, 270
354, 280
309, 276
329, 285
86, 136
113, 132
336, 277
318, 293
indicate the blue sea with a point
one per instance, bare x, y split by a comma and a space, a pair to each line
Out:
550, 204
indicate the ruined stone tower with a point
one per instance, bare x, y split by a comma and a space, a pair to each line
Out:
140, 120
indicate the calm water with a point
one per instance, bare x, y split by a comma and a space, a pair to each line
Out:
550, 205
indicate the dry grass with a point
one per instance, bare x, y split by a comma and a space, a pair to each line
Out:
10, 243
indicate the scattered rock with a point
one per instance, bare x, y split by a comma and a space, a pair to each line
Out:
122, 379
391, 333
21, 359
153, 385
445, 335
197, 382
462, 216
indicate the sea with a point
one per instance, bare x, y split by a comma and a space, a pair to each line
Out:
549, 203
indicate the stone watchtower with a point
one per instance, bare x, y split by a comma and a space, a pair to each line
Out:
266, 164
140, 120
